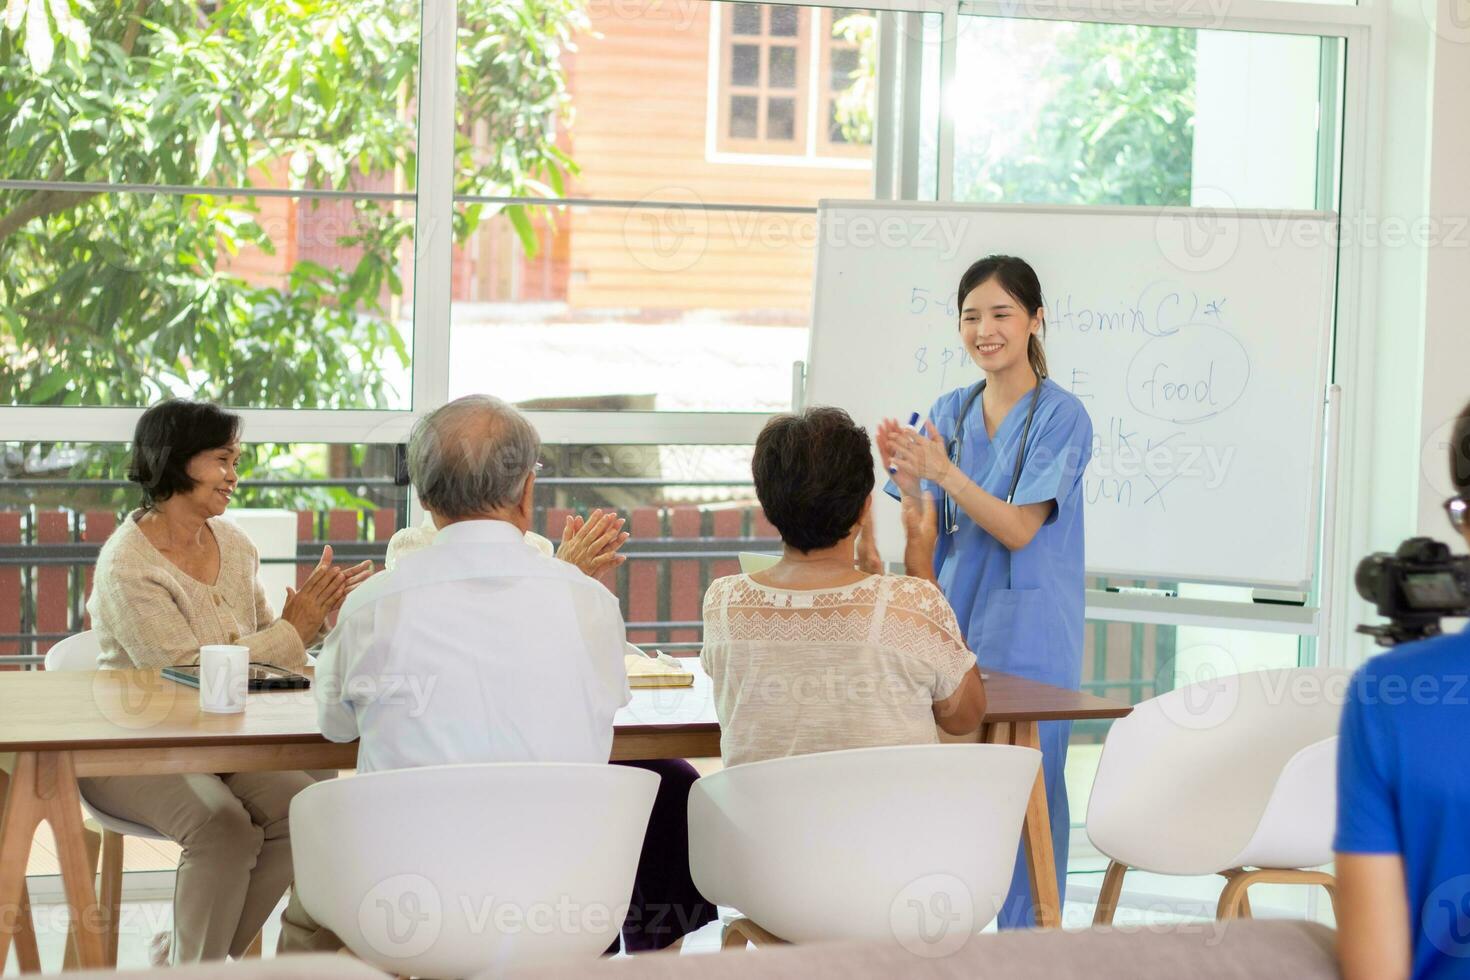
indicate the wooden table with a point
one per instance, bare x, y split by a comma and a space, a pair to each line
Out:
55, 727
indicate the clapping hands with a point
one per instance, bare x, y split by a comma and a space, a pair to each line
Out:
592, 544
308, 607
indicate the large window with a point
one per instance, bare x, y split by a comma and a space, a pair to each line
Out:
683, 283
1056, 112
207, 199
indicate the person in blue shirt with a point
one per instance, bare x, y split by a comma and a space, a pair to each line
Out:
1005, 457
1403, 798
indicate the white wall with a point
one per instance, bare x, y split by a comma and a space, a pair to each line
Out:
1414, 371
1447, 266
1255, 120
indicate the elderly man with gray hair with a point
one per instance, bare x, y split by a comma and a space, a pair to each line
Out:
480, 647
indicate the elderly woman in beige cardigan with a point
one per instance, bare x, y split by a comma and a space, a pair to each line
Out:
174, 577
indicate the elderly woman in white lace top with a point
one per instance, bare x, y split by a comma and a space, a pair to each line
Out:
822, 651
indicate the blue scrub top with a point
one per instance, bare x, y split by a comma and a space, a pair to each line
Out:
1021, 611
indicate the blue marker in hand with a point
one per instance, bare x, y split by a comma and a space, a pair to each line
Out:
913, 425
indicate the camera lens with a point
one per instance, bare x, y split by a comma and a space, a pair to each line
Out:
1370, 576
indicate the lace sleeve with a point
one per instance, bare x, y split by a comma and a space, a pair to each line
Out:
715, 599
920, 621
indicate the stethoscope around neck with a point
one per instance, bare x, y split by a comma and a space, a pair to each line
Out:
956, 450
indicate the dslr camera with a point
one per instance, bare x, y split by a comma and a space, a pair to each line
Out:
1415, 587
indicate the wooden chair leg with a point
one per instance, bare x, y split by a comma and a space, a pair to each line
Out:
731, 938
742, 930
110, 891
1235, 904
1237, 880
92, 839
1331, 889
1107, 897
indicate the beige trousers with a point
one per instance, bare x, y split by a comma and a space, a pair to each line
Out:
236, 841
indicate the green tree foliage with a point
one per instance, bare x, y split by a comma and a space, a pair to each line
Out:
854, 109
119, 298
1115, 126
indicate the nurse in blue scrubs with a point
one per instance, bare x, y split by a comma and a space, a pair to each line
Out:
1004, 460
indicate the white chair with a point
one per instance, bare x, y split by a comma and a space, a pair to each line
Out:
79, 652
447, 871
914, 843
1234, 776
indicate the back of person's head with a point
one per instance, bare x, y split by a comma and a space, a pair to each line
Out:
472, 456
813, 473
168, 436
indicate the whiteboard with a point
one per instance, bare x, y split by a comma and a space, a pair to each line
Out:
1196, 339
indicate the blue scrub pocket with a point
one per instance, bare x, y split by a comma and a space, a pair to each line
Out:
1015, 636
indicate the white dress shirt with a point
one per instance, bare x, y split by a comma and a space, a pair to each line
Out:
476, 648
411, 539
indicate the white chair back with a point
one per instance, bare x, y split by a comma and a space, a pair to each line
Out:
77, 652
1185, 780
448, 871
914, 844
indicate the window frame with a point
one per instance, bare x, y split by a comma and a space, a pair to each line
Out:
762, 91
1364, 28
826, 94
812, 149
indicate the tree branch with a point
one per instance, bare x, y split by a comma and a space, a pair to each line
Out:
43, 204
135, 24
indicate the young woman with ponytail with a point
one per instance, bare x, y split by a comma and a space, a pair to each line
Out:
1002, 461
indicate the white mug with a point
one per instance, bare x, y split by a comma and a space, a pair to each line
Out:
223, 674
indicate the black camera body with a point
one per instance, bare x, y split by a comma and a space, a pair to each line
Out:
1415, 587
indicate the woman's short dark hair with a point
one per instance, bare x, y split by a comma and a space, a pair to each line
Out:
813, 472
1460, 453
169, 435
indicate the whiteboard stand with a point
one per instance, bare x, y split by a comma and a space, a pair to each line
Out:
798, 386
1332, 423
1118, 607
